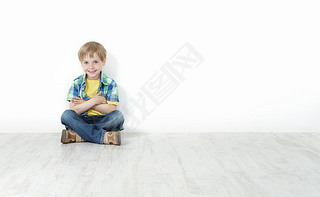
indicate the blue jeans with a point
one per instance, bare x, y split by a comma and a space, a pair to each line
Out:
93, 128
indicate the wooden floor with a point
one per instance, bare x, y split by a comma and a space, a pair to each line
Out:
151, 165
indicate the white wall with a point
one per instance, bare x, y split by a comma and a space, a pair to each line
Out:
260, 70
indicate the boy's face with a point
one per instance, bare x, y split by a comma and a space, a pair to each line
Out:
92, 66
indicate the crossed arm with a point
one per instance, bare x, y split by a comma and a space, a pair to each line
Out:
98, 103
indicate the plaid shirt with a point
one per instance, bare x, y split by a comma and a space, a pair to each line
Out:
107, 86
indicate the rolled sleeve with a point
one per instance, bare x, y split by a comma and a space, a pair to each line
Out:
73, 91
112, 94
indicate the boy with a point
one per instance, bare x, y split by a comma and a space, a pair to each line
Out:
93, 97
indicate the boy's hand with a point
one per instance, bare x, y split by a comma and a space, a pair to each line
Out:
77, 100
98, 99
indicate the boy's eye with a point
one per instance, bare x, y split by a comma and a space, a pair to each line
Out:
96, 62
85, 62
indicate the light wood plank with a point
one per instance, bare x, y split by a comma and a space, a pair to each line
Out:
162, 164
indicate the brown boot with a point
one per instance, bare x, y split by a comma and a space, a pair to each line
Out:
69, 136
112, 137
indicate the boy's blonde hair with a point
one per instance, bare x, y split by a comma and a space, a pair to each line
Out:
90, 48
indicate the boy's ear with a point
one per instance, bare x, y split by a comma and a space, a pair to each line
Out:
104, 62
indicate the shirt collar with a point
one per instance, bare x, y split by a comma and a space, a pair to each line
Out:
103, 78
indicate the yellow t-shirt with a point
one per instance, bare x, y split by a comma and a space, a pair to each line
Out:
91, 90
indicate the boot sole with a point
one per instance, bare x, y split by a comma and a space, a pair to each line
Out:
63, 136
118, 139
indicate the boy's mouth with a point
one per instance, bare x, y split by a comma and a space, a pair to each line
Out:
92, 71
